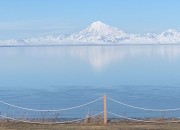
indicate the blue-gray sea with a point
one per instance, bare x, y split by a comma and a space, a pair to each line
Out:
56, 77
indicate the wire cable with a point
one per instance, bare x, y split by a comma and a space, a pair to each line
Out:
145, 109
57, 110
146, 121
49, 123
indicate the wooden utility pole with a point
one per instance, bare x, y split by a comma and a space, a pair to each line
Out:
105, 110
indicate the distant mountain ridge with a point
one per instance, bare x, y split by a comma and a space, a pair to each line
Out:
99, 33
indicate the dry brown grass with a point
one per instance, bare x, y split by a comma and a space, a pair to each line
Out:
91, 126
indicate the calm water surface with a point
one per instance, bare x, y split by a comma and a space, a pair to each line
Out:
64, 76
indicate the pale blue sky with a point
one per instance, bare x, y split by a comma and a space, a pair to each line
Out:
27, 18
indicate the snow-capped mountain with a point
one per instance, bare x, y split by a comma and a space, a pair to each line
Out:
169, 36
99, 33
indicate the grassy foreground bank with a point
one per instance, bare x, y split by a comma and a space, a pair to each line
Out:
110, 126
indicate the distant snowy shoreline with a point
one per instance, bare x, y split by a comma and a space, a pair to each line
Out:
105, 45
99, 34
